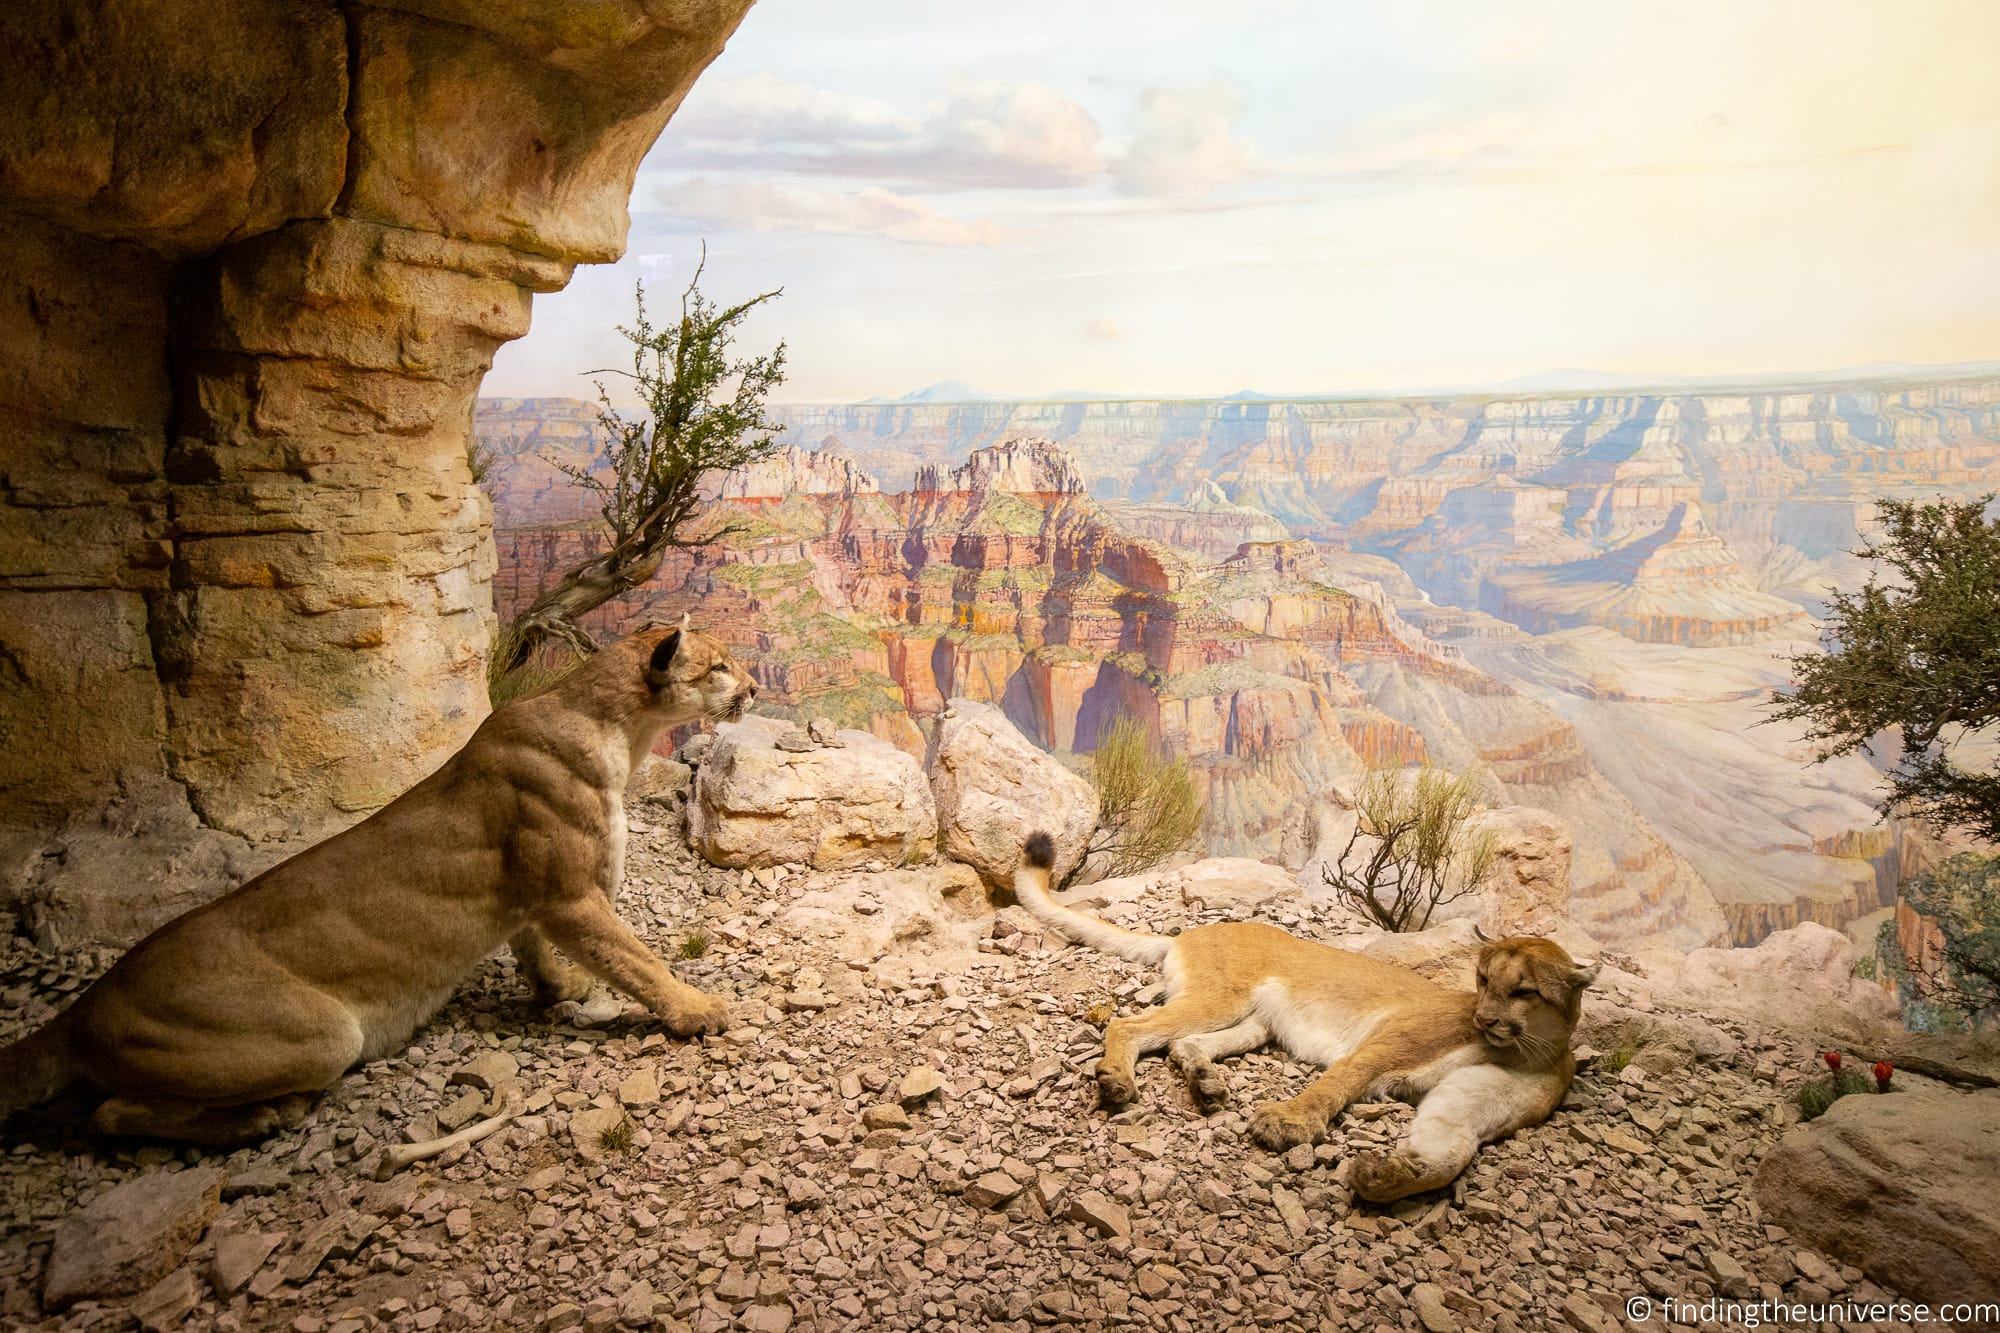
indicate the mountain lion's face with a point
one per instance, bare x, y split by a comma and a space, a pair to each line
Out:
1530, 993
693, 677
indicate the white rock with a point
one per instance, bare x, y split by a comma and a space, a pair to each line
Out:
993, 787
861, 805
1443, 952
1802, 978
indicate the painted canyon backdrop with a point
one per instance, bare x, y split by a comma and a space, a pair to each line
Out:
1589, 597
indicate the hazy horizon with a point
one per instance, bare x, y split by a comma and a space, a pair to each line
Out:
1557, 385
1309, 200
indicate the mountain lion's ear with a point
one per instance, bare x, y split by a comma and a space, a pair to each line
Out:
1585, 972
663, 656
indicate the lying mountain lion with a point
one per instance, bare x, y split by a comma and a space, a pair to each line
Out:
1485, 1064
224, 1023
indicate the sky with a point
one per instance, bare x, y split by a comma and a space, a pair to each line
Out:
1318, 197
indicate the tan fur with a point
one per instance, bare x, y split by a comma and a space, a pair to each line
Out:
225, 1022
1483, 1064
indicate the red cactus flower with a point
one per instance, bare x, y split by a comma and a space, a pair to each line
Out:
1883, 1069
1832, 1059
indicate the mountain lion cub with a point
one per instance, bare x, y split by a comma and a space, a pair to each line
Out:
1484, 1064
223, 1024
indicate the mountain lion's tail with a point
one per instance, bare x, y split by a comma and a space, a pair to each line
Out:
37, 1067
1031, 887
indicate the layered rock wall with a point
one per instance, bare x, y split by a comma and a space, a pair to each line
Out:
258, 257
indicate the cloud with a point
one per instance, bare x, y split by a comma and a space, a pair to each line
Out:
1104, 329
763, 109
869, 211
1025, 129
982, 135
1185, 143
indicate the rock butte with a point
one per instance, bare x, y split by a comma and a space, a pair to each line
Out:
258, 256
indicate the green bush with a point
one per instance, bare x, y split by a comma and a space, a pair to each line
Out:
1423, 850
1147, 808
1820, 1093
1620, 1055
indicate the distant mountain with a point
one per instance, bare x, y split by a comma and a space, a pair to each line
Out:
1567, 380
944, 391
1572, 381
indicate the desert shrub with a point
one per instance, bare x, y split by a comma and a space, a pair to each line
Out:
1961, 987
1623, 1051
480, 459
1413, 848
702, 412
1147, 808
694, 944
512, 674
619, 1138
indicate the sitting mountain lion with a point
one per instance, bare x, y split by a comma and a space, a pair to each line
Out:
223, 1024
1484, 1064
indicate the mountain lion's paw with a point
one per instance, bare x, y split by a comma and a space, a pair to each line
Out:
1115, 1090
1278, 1127
700, 1018
1210, 1090
569, 984
1383, 1177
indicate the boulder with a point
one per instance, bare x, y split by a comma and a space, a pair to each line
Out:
129, 1237
860, 804
659, 782
1218, 882
1900, 1185
993, 787
1148, 900
1445, 953
1526, 892
238, 627
1801, 978
1657, 1042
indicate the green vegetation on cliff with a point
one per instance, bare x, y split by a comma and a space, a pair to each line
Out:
1914, 655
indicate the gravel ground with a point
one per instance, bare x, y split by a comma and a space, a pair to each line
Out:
785, 1175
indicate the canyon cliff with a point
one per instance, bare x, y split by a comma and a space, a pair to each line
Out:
1589, 598
999, 581
1641, 565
